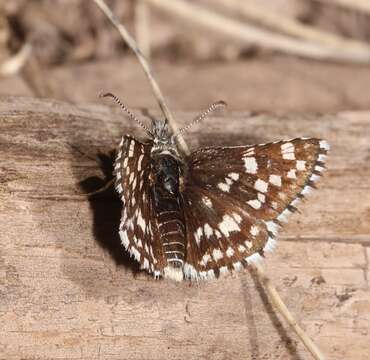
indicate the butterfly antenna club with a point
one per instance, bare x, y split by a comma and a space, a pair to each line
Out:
124, 108
202, 116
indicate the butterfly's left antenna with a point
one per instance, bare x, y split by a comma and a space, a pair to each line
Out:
129, 113
202, 116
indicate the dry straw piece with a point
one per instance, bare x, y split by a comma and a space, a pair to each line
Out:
358, 5
263, 278
247, 33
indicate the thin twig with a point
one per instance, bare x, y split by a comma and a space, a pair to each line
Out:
251, 34
279, 304
142, 32
276, 299
148, 72
293, 27
358, 5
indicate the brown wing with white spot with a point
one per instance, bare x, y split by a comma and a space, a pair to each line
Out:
221, 237
264, 182
138, 228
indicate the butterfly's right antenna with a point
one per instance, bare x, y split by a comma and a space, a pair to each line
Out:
129, 113
202, 116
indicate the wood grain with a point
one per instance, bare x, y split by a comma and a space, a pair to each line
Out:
68, 291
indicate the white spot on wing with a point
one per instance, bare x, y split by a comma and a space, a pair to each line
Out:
139, 162
261, 185
248, 244
301, 165
211, 274
256, 204
250, 164
283, 217
237, 217
141, 222
146, 263
217, 254
287, 147
234, 176
190, 272
205, 259
270, 245
238, 266
275, 180
249, 152
208, 231
136, 253
254, 259
272, 227
207, 201
324, 145
224, 187
131, 149
291, 174
288, 156
228, 225
241, 248
230, 251
119, 188
254, 230
124, 238
306, 190
314, 177
322, 158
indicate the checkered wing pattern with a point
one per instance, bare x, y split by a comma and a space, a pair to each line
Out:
236, 198
138, 229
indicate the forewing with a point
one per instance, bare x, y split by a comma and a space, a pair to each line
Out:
138, 229
263, 182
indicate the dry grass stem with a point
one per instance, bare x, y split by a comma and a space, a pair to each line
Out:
279, 304
358, 5
250, 34
294, 28
271, 290
142, 19
147, 70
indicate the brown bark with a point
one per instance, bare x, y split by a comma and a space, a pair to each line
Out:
69, 291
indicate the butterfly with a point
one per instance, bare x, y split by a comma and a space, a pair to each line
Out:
214, 211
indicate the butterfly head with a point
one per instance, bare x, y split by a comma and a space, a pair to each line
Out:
160, 132
163, 140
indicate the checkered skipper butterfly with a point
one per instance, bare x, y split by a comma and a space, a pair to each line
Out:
212, 212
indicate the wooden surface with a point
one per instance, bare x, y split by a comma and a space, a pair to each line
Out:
68, 291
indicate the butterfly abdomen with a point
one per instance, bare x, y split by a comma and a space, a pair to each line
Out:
170, 219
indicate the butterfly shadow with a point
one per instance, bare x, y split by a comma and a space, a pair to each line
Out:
106, 211
289, 343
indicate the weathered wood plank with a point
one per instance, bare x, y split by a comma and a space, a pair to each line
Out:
68, 291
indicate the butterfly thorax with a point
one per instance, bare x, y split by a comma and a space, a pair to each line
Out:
166, 167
